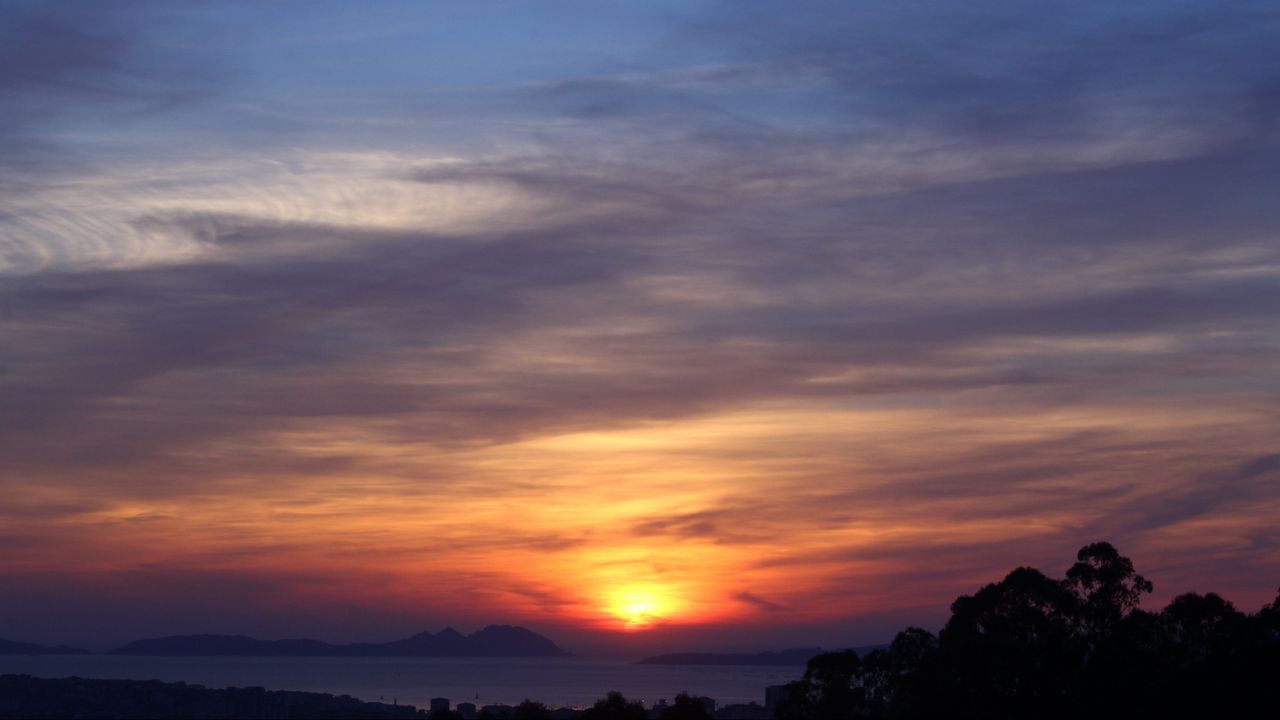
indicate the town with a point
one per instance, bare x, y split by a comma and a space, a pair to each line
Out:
24, 696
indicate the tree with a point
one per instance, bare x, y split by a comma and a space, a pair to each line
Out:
1116, 639
830, 689
1011, 648
1269, 619
1203, 663
1106, 584
1031, 646
616, 707
531, 710
686, 707
1202, 627
896, 681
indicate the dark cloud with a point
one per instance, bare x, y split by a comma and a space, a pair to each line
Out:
1257, 466
692, 525
729, 523
760, 603
63, 66
996, 72
1184, 499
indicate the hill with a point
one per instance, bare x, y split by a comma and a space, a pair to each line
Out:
492, 641
10, 647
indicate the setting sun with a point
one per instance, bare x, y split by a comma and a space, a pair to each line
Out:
640, 608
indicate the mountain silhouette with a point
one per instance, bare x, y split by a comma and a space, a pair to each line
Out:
10, 647
492, 641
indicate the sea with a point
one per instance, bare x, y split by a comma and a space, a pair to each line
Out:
557, 682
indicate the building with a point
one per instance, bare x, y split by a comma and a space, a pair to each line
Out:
775, 695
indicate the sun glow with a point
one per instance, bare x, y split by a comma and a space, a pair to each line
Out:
640, 607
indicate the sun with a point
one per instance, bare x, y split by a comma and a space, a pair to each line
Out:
641, 613
640, 607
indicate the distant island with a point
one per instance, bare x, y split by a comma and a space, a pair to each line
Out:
794, 656
9, 647
492, 641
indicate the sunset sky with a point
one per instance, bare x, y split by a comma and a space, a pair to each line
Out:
648, 325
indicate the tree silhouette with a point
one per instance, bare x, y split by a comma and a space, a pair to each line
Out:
827, 690
1106, 584
616, 707
1031, 646
1269, 618
894, 680
1010, 646
531, 710
686, 707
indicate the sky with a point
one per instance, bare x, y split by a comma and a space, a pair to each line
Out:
651, 326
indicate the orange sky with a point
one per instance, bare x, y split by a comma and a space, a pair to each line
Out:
803, 514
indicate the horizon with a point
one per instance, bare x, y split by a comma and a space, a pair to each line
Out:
651, 642
708, 326
435, 633
598, 651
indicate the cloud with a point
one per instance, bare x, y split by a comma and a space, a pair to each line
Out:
970, 291
759, 602
1258, 466
63, 66
597, 320
997, 72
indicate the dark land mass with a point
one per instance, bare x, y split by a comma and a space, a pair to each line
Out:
24, 696
9, 647
492, 641
794, 656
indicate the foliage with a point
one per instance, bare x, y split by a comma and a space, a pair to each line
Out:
686, 707
827, 689
1031, 646
616, 707
531, 710
1106, 584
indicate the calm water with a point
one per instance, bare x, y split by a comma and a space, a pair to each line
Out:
555, 681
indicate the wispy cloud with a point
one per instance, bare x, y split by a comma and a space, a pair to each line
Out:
983, 286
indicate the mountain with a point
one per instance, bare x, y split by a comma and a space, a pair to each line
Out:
512, 641
9, 647
794, 656
492, 641
196, 645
